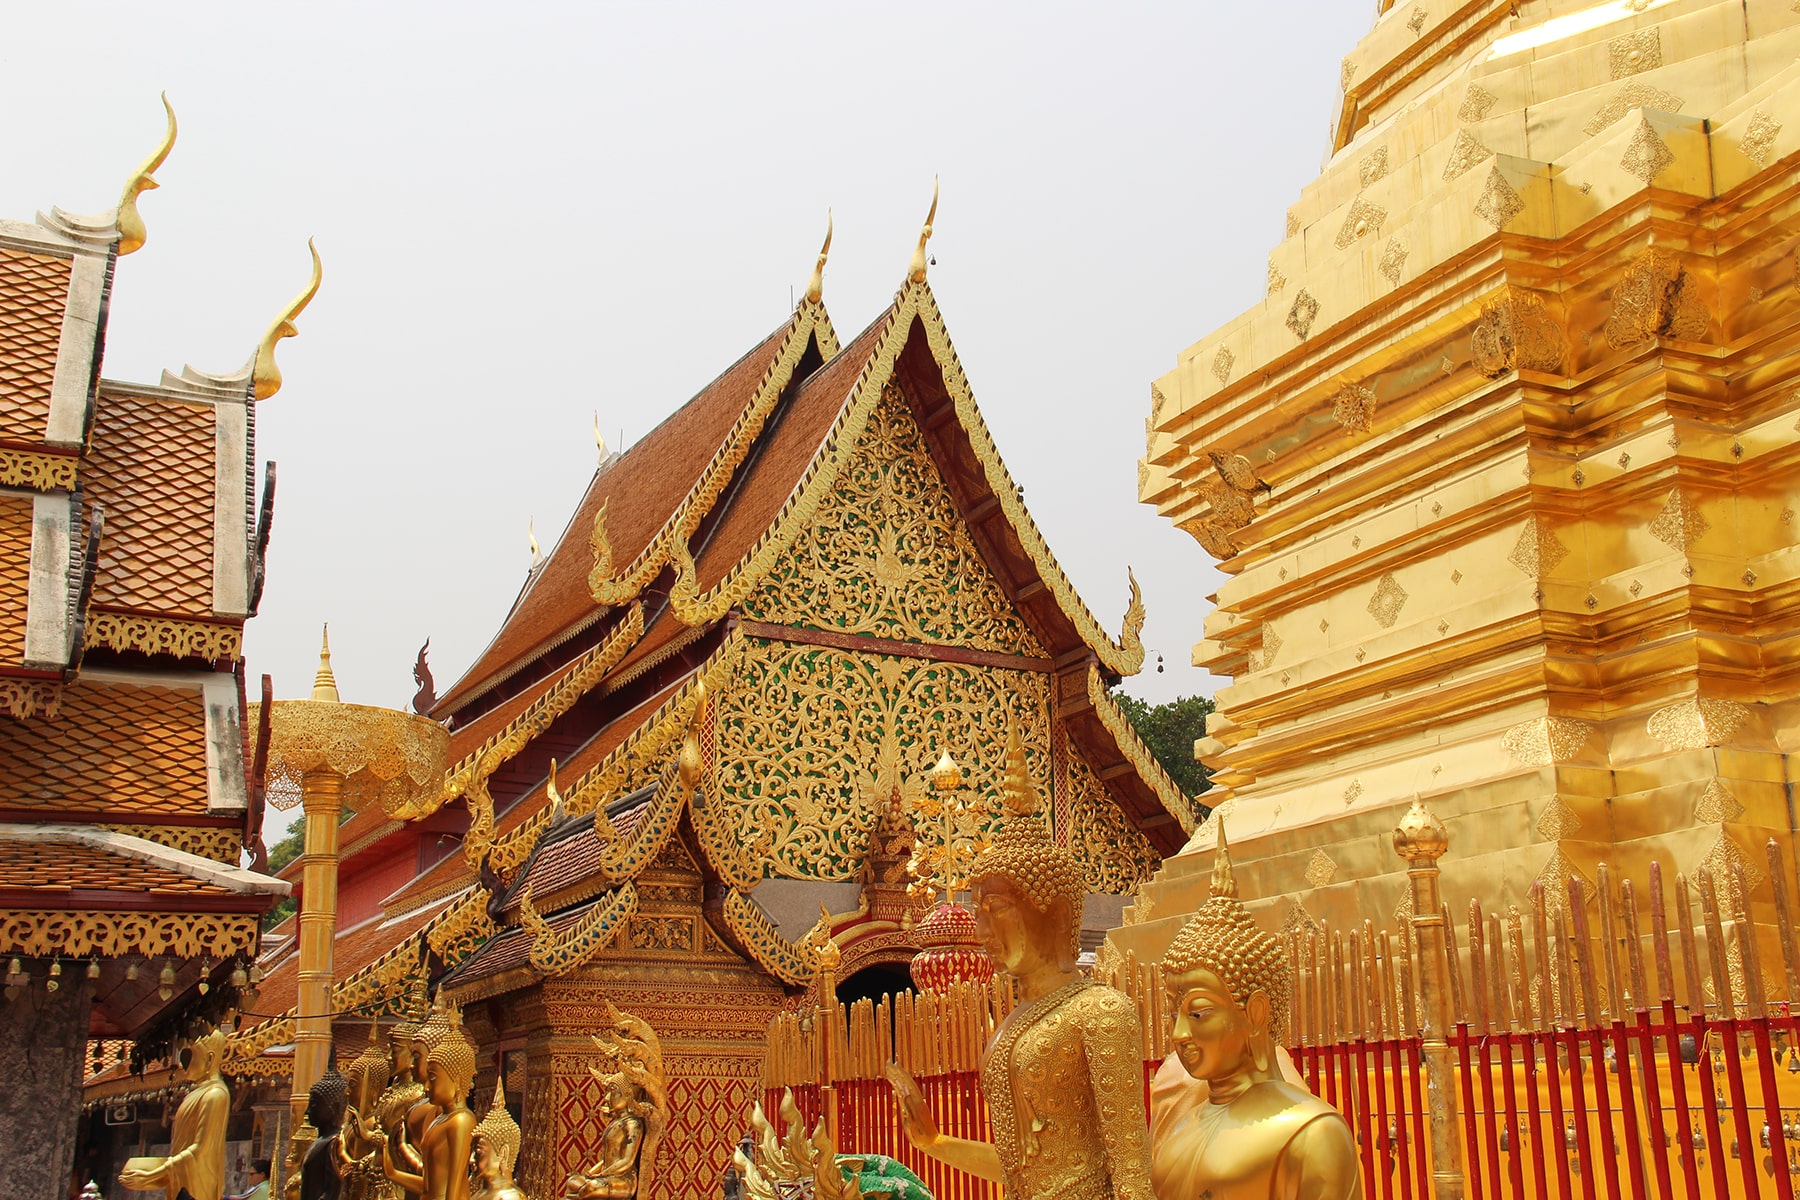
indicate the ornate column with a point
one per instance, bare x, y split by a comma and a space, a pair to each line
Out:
328, 756
1421, 840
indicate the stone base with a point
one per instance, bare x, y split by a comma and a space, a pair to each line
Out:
43, 1036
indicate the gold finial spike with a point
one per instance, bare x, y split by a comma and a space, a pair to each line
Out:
816, 287
1015, 781
499, 1093
132, 233
325, 683
1224, 882
916, 272
265, 376
599, 442
557, 806
537, 555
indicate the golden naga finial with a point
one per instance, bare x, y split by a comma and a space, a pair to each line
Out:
537, 555
132, 233
815, 287
265, 376
325, 683
916, 272
599, 442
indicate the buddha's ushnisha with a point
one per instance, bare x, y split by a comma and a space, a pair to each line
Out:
1257, 1135
1062, 1076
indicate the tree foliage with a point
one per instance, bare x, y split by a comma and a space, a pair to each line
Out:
284, 851
1170, 731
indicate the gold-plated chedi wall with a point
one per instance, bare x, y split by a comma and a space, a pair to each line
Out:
1504, 470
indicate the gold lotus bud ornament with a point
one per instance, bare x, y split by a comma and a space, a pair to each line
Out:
947, 775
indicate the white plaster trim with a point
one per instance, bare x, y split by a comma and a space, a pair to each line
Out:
74, 378
47, 606
226, 794
231, 535
236, 879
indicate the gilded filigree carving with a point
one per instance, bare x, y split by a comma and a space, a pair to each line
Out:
1555, 876
22, 699
799, 724
1320, 869
1558, 820
1477, 100
1276, 280
1353, 407
1372, 166
791, 962
114, 934
1655, 297
1635, 53
1302, 313
37, 471
1632, 95
1759, 137
1538, 550
1516, 332
1500, 202
160, 635
1416, 21
1387, 601
1647, 155
1364, 218
1393, 260
1680, 523
1271, 645
1696, 724
1132, 746
1545, 740
454, 934
888, 554
557, 952
1465, 153
1113, 855
1717, 805
1221, 365
220, 845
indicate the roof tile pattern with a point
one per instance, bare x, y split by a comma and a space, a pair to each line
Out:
640, 491
111, 747
34, 290
15, 575
54, 867
151, 463
565, 861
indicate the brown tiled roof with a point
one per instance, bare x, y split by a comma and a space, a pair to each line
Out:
151, 463
352, 950
34, 290
640, 491
112, 747
59, 866
569, 854
511, 947
15, 574
783, 456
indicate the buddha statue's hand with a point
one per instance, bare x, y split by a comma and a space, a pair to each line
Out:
915, 1114
140, 1180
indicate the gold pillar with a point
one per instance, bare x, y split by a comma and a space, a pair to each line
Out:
322, 798
829, 956
1421, 840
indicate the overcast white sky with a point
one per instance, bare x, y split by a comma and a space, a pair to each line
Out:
532, 213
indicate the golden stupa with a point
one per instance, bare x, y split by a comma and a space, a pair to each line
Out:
1504, 468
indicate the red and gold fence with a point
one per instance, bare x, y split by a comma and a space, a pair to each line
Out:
1600, 1042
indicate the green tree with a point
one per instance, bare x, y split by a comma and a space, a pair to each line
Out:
283, 852
1170, 731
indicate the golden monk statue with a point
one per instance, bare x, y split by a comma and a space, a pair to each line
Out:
1256, 1135
361, 1137
412, 1110
196, 1162
1063, 1075
497, 1141
442, 1150
635, 1107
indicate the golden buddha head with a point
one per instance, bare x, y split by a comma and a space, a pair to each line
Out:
205, 1055
403, 1040
1028, 890
450, 1063
1227, 983
368, 1073
497, 1139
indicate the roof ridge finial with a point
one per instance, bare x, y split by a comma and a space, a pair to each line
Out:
599, 442
537, 554
325, 683
815, 288
265, 377
1224, 882
132, 233
916, 272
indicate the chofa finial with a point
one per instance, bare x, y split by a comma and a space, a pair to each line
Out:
132, 233
325, 683
1224, 882
599, 442
815, 287
916, 272
265, 376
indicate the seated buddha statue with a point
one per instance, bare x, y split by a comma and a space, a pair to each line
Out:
1062, 1076
497, 1140
614, 1174
1256, 1135
196, 1162
442, 1150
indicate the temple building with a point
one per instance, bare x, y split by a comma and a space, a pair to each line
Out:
1503, 470
131, 556
707, 718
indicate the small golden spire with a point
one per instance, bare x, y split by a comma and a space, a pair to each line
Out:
1015, 783
325, 683
1224, 882
132, 233
816, 287
264, 374
916, 272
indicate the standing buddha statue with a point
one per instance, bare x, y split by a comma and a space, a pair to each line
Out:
1062, 1075
497, 1141
360, 1138
1256, 1135
442, 1150
196, 1163
416, 1110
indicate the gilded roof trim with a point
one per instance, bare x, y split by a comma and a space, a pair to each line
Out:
1125, 656
1168, 792
791, 962
554, 954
